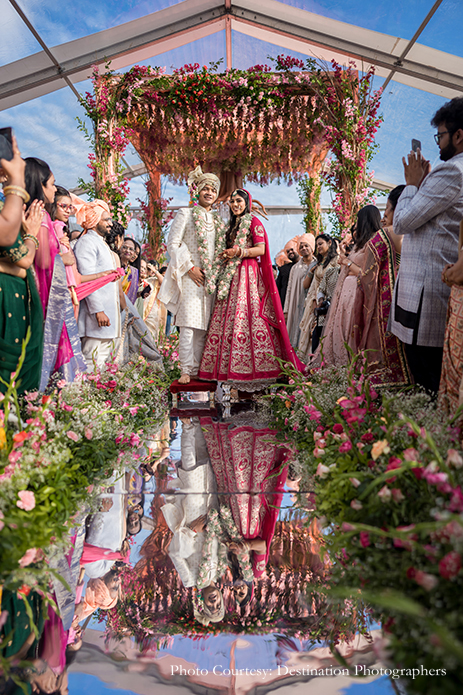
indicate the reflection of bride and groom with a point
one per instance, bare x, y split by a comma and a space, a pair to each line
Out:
239, 338
223, 509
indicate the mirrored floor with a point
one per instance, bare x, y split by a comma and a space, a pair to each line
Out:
220, 587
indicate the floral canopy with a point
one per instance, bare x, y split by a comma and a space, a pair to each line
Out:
259, 124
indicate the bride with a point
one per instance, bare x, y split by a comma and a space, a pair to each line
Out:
247, 334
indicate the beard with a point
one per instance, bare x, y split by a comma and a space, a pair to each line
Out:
448, 152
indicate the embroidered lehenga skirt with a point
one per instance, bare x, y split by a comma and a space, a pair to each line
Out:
244, 341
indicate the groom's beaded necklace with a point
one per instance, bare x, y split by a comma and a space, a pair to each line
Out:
211, 268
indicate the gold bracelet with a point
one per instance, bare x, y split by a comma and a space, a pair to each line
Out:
17, 190
32, 238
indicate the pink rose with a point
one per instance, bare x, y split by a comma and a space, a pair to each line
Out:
364, 539
356, 504
2, 523
88, 433
426, 580
385, 494
134, 410
72, 435
26, 500
450, 565
454, 459
322, 470
318, 453
397, 495
355, 482
30, 556
345, 447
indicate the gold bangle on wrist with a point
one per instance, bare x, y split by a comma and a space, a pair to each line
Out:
17, 190
32, 238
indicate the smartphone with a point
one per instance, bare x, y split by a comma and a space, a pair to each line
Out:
416, 145
6, 143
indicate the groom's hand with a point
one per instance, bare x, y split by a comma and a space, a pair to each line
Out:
197, 275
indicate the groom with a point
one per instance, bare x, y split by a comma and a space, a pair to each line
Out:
196, 237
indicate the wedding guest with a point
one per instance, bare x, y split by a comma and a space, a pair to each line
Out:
327, 257
61, 343
247, 333
295, 290
115, 236
384, 353
283, 274
428, 214
338, 328
154, 311
129, 253
20, 307
100, 312
60, 211
325, 294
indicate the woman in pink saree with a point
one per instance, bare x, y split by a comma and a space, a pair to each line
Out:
62, 351
247, 334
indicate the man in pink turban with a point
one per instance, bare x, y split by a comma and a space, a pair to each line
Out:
89, 214
283, 274
295, 294
100, 313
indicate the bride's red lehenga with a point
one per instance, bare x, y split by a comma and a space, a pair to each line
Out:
250, 467
247, 332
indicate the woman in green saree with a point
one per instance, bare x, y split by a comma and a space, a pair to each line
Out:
20, 307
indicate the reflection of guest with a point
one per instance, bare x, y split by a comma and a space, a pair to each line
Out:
100, 593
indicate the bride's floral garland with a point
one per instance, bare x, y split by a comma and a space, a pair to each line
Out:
211, 268
229, 270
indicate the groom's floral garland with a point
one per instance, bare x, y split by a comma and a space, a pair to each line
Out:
229, 270
211, 268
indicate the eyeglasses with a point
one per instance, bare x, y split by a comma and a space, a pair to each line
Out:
438, 136
66, 207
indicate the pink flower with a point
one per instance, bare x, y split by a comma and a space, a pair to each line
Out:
134, 410
88, 433
338, 428
378, 448
135, 439
72, 435
30, 556
2, 523
385, 494
364, 539
356, 504
454, 459
14, 456
397, 495
355, 482
318, 453
26, 500
426, 580
450, 565
411, 454
345, 446
322, 470
347, 527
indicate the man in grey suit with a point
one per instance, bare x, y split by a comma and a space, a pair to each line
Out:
428, 214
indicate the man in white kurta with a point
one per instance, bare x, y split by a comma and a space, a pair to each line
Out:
99, 319
183, 290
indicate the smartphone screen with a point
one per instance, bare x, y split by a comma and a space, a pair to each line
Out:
6, 143
416, 145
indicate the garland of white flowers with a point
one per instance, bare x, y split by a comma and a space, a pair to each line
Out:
229, 270
211, 268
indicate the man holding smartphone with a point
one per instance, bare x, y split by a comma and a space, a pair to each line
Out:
428, 214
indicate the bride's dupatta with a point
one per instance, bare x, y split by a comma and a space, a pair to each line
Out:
61, 349
385, 356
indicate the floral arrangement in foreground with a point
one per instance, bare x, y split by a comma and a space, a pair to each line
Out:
56, 454
386, 473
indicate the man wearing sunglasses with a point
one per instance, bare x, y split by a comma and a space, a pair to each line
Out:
428, 214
